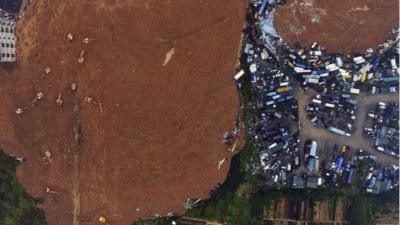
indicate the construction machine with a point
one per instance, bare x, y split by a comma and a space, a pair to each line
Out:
81, 59
47, 70
74, 86
87, 40
70, 37
19, 111
59, 101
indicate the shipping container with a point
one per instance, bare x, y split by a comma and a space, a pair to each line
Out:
282, 84
355, 91
276, 96
332, 67
312, 81
270, 102
393, 63
329, 105
339, 61
316, 101
239, 74
359, 60
253, 68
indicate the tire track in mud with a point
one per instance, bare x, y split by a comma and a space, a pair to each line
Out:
75, 179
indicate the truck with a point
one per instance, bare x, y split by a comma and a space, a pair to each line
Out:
239, 74
312, 80
339, 62
393, 63
329, 105
372, 90
355, 91
253, 68
359, 60
332, 67
282, 84
392, 89
272, 145
316, 101
283, 89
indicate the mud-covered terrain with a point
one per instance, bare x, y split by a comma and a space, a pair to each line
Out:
142, 132
340, 26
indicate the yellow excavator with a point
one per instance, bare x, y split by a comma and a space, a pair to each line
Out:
81, 59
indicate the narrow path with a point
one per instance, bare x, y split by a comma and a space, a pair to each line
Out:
75, 177
308, 131
76, 193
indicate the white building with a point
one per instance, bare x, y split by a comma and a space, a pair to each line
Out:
7, 40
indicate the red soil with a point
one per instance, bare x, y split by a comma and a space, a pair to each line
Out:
156, 138
340, 25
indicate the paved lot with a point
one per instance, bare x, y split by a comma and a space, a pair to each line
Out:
322, 136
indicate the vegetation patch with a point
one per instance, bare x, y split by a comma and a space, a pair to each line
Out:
16, 206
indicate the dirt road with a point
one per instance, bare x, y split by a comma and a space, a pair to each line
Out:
151, 136
308, 131
340, 25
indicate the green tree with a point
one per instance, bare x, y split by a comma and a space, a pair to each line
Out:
16, 206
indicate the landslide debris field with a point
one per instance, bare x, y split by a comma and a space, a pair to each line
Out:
159, 78
159, 75
340, 26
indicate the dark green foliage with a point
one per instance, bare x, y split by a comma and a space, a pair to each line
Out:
237, 208
159, 221
361, 210
16, 207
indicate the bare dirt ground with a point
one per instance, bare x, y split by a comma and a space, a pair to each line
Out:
340, 25
152, 138
323, 136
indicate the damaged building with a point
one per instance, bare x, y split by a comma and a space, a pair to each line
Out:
7, 39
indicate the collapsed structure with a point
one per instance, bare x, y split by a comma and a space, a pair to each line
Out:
9, 12
7, 38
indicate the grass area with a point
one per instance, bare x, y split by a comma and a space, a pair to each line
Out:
16, 207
